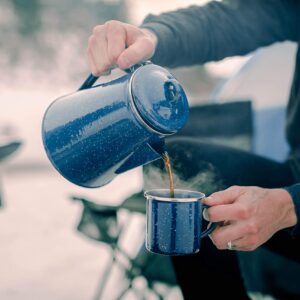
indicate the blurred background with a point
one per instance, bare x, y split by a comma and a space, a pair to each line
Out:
42, 56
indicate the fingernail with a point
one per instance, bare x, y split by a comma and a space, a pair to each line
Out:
205, 214
124, 63
206, 200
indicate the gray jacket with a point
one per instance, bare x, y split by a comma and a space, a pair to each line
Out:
199, 34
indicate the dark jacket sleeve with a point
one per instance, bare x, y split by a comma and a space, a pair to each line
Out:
220, 29
294, 191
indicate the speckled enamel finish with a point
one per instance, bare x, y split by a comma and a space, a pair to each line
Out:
92, 135
174, 227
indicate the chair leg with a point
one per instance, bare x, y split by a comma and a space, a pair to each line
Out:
159, 295
139, 294
124, 292
104, 278
1, 197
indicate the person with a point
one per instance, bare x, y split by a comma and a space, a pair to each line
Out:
261, 205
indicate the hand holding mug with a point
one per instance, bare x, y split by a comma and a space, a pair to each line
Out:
251, 215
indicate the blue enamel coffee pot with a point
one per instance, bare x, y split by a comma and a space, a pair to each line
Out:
100, 131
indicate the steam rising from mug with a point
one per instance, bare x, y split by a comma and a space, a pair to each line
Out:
206, 179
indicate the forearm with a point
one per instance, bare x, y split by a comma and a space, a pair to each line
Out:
220, 29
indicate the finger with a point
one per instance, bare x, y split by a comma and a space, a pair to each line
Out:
233, 232
91, 64
98, 49
227, 196
228, 212
247, 243
101, 61
138, 51
100, 54
116, 40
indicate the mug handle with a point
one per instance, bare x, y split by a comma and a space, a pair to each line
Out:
210, 229
88, 83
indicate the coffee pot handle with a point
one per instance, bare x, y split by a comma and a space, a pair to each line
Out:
88, 83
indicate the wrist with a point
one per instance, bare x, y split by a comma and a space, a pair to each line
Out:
288, 208
151, 35
294, 192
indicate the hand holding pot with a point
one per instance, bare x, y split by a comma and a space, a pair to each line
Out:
121, 44
251, 215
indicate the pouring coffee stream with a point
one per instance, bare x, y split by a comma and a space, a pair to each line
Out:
167, 161
160, 148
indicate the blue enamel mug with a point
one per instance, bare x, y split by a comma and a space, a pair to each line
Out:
92, 135
174, 225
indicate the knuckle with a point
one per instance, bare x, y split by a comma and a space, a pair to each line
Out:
111, 24
251, 228
234, 188
113, 28
243, 212
98, 29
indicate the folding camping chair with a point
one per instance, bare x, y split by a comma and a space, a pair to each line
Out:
100, 223
7, 147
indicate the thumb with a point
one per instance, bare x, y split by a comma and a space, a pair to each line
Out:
227, 196
142, 49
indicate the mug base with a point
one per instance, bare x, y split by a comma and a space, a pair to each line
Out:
174, 253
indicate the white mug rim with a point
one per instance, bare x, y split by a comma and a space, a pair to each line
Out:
148, 196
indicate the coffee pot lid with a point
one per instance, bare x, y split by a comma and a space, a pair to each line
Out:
159, 99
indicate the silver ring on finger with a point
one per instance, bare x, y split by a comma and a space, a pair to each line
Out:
230, 246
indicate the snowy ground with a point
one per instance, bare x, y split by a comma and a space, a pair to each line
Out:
41, 254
